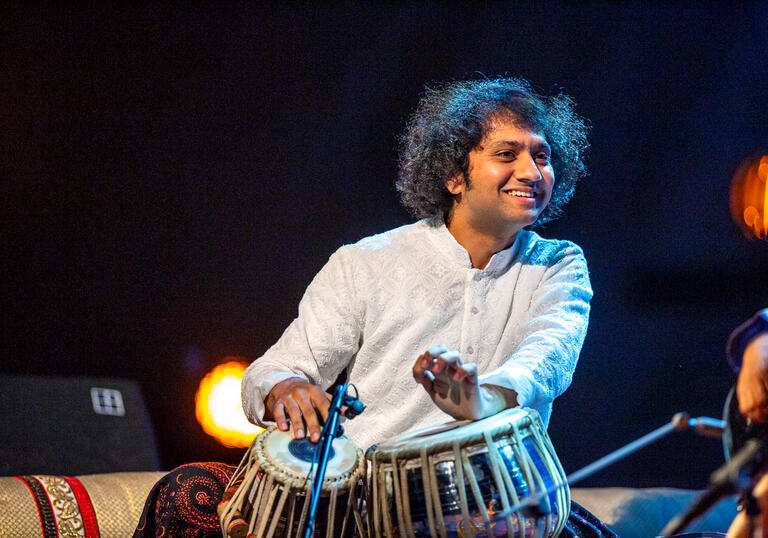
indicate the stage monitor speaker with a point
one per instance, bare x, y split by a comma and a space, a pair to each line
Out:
74, 426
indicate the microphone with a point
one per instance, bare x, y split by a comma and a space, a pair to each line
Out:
706, 426
354, 406
735, 475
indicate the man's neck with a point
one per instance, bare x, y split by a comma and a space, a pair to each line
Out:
480, 244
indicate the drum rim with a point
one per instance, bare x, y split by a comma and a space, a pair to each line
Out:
258, 456
498, 425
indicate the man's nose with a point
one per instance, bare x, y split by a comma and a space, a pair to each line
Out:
528, 169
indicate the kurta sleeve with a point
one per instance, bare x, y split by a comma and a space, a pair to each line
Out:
542, 366
319, 343
743, 335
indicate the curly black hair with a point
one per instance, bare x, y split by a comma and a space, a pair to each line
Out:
451, 120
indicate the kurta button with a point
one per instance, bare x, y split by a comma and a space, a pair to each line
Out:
474, 310
470, 350
478, 276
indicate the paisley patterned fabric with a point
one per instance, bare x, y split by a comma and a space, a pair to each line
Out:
183, 502
378, 304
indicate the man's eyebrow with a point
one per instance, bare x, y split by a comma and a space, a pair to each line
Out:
514, 144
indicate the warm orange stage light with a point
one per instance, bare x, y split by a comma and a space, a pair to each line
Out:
749, 197
218, 407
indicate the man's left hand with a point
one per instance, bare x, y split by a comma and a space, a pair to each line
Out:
455, 387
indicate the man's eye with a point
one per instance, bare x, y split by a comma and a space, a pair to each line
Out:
506, 154
542, 157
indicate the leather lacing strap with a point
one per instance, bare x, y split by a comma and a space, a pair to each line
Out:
503, 482
396, 491
460, 483
553, 463
278, 510
476, 492
428, 492
406, 496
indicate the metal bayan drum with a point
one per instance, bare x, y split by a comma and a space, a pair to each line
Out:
451, 480
270, 491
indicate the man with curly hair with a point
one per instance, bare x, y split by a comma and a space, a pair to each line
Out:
467, 302
482, 312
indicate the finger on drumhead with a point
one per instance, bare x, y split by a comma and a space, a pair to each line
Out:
294, 413
279, 414
310, 418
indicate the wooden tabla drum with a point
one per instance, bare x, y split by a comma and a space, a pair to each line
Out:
268, 496
451, 480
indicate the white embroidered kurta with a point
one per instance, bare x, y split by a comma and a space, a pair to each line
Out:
378, 304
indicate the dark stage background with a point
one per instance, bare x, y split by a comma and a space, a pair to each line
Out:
173, 177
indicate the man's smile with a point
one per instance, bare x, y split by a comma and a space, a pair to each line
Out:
517, 193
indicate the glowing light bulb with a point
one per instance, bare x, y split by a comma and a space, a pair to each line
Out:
749, 197
218, 407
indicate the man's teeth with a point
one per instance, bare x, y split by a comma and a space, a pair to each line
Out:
521, 194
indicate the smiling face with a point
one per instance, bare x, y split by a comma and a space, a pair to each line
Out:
508, 182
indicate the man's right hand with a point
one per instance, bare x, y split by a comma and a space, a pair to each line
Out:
299, 401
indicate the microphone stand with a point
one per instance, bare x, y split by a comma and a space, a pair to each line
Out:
331, 430
706, 426
736, 475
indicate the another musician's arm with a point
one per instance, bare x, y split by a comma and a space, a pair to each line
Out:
290, 379
746, 352
747, 526
752, 384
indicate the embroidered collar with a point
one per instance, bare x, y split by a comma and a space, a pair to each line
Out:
447, 244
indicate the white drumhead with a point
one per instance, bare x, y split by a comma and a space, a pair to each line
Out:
459, 430
296, 455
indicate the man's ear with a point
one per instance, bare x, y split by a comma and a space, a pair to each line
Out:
455, 184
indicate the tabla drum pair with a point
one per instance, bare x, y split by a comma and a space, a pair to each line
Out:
452, 480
